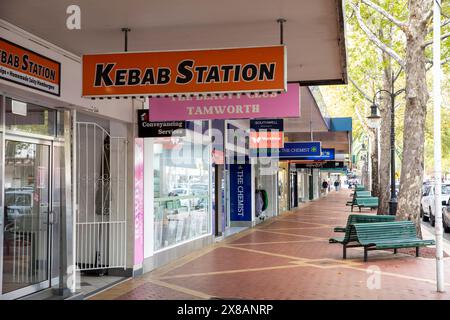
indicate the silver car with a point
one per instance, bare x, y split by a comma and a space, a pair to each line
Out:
446, 215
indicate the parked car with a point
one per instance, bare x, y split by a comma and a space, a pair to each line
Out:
427, 205
446, 216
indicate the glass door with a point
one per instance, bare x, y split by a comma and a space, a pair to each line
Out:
26, 215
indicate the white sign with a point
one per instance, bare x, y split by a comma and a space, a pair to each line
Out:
19, 108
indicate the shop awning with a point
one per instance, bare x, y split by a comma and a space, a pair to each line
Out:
313, 32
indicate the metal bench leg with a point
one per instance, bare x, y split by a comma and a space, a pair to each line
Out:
395, 250
365, 254
344, 252
417, 251
352, 209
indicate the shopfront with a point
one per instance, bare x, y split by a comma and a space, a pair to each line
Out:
33, 195
57, 154
178, 188
182, 194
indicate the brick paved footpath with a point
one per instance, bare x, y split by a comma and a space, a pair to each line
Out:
289, 257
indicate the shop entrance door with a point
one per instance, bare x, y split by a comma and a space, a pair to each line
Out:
28, 216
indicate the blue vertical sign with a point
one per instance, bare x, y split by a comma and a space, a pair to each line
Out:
240, 192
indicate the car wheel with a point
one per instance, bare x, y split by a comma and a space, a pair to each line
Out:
432, 220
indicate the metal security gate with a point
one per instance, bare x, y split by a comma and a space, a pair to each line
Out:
101, 224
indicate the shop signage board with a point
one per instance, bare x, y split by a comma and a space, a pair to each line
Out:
266, 140
266, 134
293, 150
267, 124
326, 154
227, 106
321, 165
300, 149
240, 192
156, 129
28, 68
256, 69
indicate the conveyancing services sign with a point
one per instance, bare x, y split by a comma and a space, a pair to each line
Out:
28, 68
258, 69
158, 129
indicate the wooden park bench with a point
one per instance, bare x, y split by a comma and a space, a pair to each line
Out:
387, 235
368, 202
360, 188
350, 239
364, 218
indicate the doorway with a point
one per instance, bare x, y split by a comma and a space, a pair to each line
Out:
32, 198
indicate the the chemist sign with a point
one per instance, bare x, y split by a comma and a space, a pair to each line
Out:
28, 68
240, 192
157, 129
256, 69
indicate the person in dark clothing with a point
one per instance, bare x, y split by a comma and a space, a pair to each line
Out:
336, 184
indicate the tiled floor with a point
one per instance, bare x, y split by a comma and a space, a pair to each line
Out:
288, 257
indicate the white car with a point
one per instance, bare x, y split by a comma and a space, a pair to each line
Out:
427, 202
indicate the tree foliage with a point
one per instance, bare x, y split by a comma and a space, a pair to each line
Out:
365, 70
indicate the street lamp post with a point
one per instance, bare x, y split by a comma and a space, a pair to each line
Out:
374, 116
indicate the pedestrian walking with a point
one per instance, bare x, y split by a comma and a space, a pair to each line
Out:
336, 185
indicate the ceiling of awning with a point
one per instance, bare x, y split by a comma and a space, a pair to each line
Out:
313, 33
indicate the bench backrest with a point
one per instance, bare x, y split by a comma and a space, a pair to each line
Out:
367, 201
362, 194
371, 233
360, 188
366, 218
350, 235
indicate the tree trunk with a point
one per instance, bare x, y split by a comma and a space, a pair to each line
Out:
385, 138
415, 112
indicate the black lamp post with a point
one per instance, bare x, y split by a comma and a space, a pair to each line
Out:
374, 115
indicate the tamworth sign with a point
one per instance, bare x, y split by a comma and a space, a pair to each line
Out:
258, 69
223, 106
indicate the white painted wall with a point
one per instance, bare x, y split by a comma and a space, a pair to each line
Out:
71, 79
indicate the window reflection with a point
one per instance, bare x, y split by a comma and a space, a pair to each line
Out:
181, 189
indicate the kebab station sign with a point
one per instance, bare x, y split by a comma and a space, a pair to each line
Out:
257, 69
184, 73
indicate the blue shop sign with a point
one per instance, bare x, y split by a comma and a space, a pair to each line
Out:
300, 149
240, 192
327, 154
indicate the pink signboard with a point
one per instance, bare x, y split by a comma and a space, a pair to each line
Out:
238, 106
139, 201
